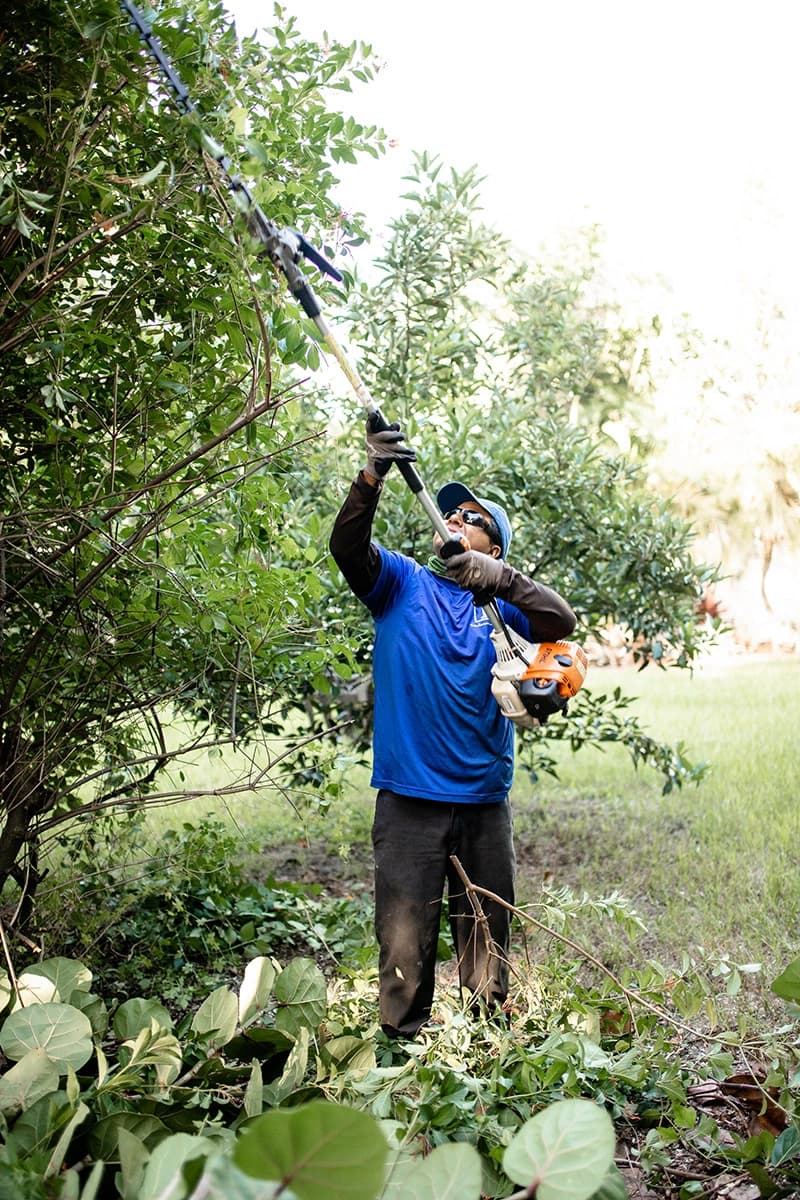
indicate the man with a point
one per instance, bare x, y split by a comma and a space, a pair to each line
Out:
443, 753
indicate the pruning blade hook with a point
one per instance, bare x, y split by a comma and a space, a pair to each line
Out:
287, 248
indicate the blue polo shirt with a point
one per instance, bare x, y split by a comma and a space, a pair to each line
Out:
438, 732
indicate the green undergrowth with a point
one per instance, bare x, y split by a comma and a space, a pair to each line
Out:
650, 934
279, 1083
189, 910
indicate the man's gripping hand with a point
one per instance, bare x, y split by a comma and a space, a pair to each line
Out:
384, 447
478, 573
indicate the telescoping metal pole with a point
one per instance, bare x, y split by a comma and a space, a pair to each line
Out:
287, 248
286, 252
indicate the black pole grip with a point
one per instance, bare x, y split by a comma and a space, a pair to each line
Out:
309, 303
379, 424
453, 546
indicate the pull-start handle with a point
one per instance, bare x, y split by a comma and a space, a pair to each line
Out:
542, 698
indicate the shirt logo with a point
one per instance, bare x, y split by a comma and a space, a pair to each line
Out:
479, 617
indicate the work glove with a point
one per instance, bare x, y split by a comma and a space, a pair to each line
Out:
478, 573
384, 448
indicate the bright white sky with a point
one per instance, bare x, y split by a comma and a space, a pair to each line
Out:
672, 125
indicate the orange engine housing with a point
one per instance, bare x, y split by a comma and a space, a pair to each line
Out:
563, 664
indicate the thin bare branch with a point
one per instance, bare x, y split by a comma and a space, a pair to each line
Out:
630, 996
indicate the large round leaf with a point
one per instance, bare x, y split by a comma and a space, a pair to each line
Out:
53, 979
223, 1180
137, 1013
34, 1076
94, 1009
564, 1151
104, 1138
217, 1017
63, 1032
451, 1172
302, 996
318, 1149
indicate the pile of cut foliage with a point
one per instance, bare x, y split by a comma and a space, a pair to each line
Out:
280, 1083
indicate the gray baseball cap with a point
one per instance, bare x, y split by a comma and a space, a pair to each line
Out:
453, 494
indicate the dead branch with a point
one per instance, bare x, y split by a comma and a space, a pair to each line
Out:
630, 996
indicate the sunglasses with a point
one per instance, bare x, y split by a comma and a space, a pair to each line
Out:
473, 518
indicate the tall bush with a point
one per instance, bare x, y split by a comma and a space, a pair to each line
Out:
146, 397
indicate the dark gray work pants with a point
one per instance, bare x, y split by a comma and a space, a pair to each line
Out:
413, 840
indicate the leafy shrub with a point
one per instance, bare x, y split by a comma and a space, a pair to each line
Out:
188, 915
267, 1083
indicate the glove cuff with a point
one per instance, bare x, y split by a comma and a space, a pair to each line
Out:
378, 467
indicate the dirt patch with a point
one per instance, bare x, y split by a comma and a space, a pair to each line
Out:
299, 862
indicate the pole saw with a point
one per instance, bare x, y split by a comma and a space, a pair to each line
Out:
530, 681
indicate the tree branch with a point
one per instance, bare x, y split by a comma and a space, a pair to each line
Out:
631, 996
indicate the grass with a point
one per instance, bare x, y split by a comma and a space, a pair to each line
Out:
711, 869
712, 866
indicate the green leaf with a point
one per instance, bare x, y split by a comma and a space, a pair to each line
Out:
293, 1072
357, 1055
223, 1180
218, 1016
133, 1158
318, 1149
787, 1146
93, 1007
267, 1043
149, 176
26, 228
6, 990
53, 979
91, 1188
563, 1152
787, 985
138, 1013
259, 976
63, 1032
450, 1172
163, 1171
32, 1077
761, 1178
302, 996
106, 1138
254, 1092
56, 1160
613, 1186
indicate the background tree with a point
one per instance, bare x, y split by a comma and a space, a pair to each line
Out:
570, 347
725, 443
146, 436
442, 334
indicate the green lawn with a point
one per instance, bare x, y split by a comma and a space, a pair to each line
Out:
712, 866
